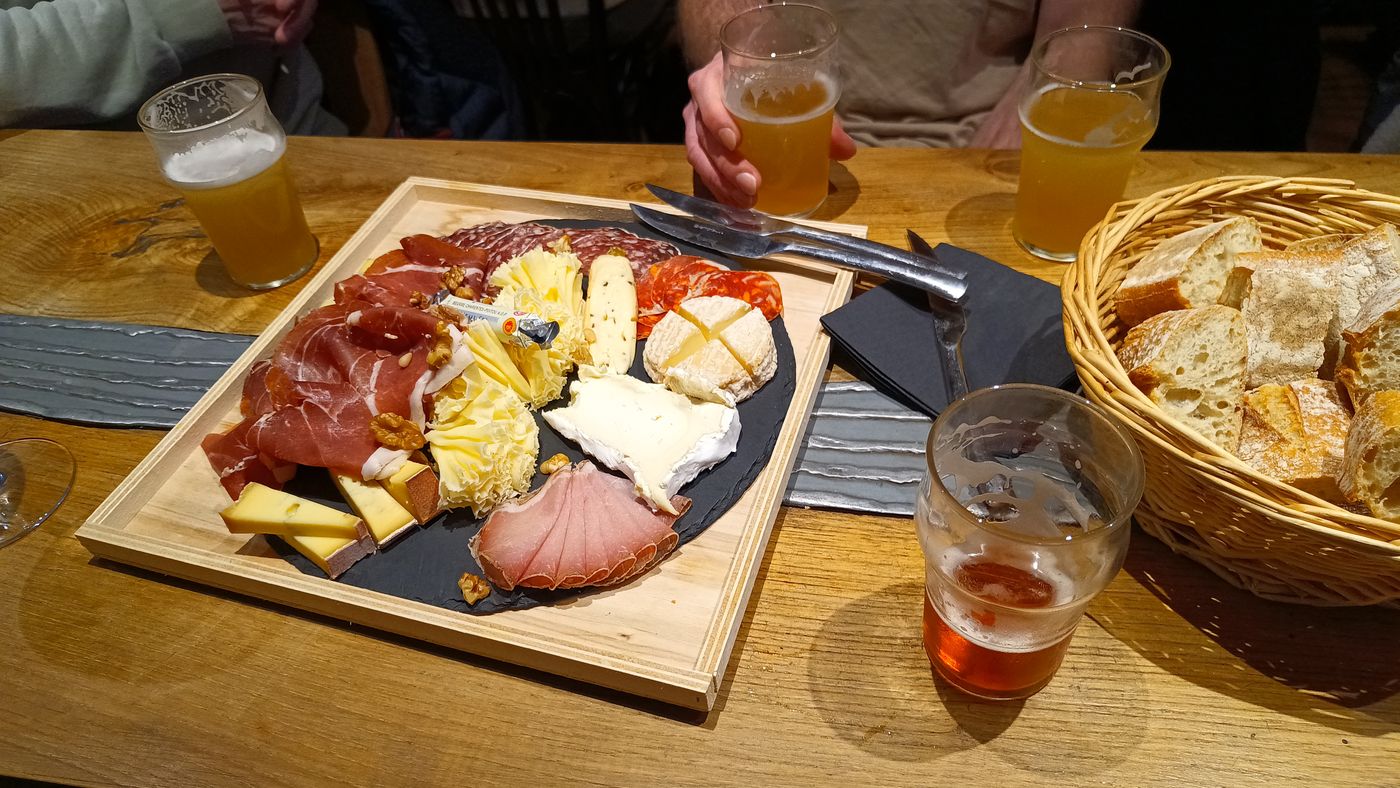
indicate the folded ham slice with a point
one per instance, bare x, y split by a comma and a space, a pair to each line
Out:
418, 267
583, 527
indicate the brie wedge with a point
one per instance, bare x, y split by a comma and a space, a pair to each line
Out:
657, 438
713, 348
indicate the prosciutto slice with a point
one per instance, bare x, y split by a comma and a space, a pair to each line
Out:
417, 267
583, 527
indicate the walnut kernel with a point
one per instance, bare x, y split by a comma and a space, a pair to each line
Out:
555, 463
474, 588
393, 431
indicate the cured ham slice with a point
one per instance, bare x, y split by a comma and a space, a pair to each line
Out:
583, 527
670, 282
418, 267
502, 242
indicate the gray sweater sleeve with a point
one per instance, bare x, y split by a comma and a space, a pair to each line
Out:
86, 61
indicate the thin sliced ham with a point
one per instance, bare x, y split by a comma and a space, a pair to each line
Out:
418, 267
583, 527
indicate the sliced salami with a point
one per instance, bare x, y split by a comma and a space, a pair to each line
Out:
502, 242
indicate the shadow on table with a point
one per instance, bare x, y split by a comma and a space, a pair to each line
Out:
871, 681
841, 193
1336, 666
212, 277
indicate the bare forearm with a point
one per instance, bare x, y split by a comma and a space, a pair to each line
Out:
700, 21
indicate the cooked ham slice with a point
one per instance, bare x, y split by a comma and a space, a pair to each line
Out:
583, 527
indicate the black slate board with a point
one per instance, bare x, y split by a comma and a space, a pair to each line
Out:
424, 564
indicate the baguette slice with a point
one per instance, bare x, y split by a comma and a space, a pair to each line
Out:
1185, 271
1371, 469
1297, 434
1322, 243
1371, 356
1191, 363
1286, 317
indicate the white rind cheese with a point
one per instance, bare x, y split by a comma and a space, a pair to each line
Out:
657, 438
612, 314
713, 348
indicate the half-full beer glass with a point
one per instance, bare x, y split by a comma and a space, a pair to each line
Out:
1092, 105
781, 86
218, 143
1022, 519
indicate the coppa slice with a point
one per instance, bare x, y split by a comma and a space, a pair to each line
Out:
583, 527
713, 348
658, 438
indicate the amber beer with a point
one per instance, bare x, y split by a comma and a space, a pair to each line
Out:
220, 146
1077, 149
243, 195
781, 85
785, 131
988, 646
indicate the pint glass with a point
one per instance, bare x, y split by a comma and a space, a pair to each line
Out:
221, 147
1092, 105
1022, 519
781, 86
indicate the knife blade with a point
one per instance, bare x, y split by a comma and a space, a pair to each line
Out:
949, 325
725, 240
758, 223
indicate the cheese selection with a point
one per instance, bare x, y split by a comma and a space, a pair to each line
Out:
714, 348
386, 519
657, 438
612, 313
331, 539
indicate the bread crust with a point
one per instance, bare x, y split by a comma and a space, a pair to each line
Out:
1370, 449
1158, 284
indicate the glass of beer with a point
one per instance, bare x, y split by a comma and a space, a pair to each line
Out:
781, 86
1092, 105
221, 147
1022, 519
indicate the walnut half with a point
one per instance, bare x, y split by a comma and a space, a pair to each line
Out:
553, 464
441, 350
393, 431
474, 588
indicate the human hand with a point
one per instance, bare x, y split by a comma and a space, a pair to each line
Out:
712, 140
1001, 127
283, 23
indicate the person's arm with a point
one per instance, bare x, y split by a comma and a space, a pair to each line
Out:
1002, 126
699, 22
83, 61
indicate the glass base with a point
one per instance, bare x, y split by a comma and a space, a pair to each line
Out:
292, 277
1046, 254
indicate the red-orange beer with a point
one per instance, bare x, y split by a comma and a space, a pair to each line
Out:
983, 666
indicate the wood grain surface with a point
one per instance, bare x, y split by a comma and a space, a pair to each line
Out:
116, 676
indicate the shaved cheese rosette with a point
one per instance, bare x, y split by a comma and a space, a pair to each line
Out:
485, 442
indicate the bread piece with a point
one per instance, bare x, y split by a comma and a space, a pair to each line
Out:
1367, 262
1286, 318
1371, 356
1185, 271
1297, 434
1321, 243
1191, 363
1371, 468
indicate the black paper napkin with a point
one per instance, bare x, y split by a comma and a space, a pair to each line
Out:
1014, 333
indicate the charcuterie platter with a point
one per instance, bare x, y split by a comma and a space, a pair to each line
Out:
607, 500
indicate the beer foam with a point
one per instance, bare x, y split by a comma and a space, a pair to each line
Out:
1014, 629
734, 100
224, 160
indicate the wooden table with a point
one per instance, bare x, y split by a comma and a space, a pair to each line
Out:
113, 675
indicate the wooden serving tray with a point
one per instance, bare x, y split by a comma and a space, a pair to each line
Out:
666, 635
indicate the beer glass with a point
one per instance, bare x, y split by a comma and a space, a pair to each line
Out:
1092, 105
781, 86
36, 475
1022, 519
221, 147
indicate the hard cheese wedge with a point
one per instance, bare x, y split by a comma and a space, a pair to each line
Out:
713, 348
387, 520
612, 313
415, 487
333, 555
659, 439
263, 510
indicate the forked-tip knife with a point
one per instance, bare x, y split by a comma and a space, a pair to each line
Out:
916, 272
949, 325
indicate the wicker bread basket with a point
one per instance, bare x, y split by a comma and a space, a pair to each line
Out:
1257, 533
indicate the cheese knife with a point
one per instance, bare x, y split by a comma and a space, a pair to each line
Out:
919, 273
949, 325
758, 223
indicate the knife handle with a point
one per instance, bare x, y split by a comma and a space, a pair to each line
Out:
918, 274
864, 246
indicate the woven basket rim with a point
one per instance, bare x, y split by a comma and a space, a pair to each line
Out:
1082, 308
